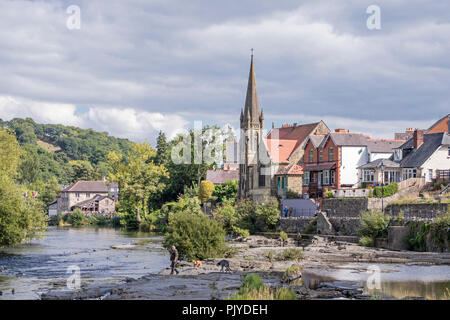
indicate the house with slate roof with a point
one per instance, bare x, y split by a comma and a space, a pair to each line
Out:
426, 154
90, 196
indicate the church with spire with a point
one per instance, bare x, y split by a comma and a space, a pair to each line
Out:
251, 132
269, 164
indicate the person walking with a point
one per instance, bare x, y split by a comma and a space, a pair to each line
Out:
173, 260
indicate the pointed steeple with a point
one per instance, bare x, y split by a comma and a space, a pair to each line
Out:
251, 101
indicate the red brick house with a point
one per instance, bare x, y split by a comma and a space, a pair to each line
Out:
332, 161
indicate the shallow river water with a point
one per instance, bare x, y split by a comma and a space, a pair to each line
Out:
33, 268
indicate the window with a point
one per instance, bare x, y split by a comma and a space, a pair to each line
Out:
326, 177
311, 155
262, 177
409, 173
320, 155
449, 151
311, 177
330, 154
332, 177
306, 178
368, 176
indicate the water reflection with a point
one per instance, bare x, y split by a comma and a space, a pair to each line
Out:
34, 267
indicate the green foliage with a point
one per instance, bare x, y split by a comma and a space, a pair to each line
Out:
298, 237
292, 195
311, 228
270, 255
139, 179
440, 231
283, 235
373, 224
226, 215
366, 241
291, 254
205, 191
228, 190
386, 191
418, 235
97, 220
257, 217
196, 236
20, 218
76, 218
253, 288
49, 148
329, 194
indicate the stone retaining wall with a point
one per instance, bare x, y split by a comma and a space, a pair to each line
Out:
415, 211
344, 207
294, 224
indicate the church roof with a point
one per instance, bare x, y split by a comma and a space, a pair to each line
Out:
280, 150
251, 100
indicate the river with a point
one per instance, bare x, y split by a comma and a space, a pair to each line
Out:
40, 265
34, 267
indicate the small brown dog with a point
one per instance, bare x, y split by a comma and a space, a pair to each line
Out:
197, 263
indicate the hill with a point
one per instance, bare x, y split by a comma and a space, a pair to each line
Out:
65, 152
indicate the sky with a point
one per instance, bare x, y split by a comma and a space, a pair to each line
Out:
136, 67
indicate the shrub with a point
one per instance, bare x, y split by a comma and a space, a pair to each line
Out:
283, 236
291, 254
298, 237
311, 227
270, 255
258, 217
292, 195
386, 191
206, 190
366, 241
418, 234
291, 270
195, 236
440, 231
253, 288
227, 191
374, 223
76, 218
244, 233
329, 194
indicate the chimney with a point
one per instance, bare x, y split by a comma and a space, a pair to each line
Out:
409, 130
340, 130
418, 138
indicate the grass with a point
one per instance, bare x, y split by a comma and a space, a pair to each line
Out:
253, 288
291, 254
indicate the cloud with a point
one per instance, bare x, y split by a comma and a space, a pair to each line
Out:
160, 61
137, 125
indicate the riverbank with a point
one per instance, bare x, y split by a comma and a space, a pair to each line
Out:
251, 256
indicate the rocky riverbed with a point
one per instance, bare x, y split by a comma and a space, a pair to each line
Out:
251, 256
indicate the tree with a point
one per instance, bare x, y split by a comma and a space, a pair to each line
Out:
162, 149
206, 190
10, 153
20, 218
83, 170
138, 177
195, 236
228, 190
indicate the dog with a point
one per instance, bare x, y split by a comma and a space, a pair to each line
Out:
224, 264
197, 263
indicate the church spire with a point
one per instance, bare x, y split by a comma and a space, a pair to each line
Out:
251, 101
